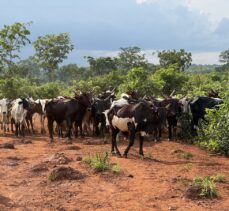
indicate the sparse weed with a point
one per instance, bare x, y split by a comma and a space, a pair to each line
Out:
219, 178
101, 162
186, 155
188, 167
116, 169
206, 185
53, 176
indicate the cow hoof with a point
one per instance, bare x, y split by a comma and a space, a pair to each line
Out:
113, 153
142, 156
124, 155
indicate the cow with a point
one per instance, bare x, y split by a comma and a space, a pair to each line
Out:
131, 119
35, 107
71, 110
19, 110
97, 112
173, 110
4, 114
42, 113
198, 108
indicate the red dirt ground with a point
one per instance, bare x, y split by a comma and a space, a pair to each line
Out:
155, 183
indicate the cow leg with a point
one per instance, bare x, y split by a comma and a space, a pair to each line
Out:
12, 122
131, 129
50, 127
42, 120
114, 146
69, 124
141, 140
27, 122
22, 129
170, 131
31, 123
16, 129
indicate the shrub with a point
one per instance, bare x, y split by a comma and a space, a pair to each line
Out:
98, 162
219, 178
206, 185
101, 162
214, 134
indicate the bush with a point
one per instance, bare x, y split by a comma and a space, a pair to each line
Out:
214, 134
98, 162
206, 185
101, 162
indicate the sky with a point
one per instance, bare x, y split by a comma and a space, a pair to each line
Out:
101, 27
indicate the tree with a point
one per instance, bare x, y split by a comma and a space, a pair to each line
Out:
12, 38
101, 65
172, 79
182, 58
224, 57
131, 57
51, 50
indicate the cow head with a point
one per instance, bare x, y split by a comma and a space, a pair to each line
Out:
85, 99
24, 102
173, 106
3, 106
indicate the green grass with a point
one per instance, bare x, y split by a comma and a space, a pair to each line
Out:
101, 162
219, 178
207, 186
53, 176
115, 169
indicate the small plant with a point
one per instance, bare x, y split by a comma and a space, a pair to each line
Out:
206, 185
115, 169
53, 176
219, 178
98, 162
186, 155
188, 167
101, 162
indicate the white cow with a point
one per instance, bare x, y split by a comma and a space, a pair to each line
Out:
18, 114
4, 114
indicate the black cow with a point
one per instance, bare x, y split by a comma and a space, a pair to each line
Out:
97, 112
71, 110
173, 109
133, 118
198, 108
34, 108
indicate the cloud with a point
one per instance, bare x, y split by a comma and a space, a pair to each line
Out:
106, 25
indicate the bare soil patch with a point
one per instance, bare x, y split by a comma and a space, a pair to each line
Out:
158, 182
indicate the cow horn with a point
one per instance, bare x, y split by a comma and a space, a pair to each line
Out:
173, 92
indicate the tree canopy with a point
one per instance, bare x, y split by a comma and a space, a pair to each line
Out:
51, 50
182, 58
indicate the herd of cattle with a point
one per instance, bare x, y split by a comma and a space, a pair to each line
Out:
129, 114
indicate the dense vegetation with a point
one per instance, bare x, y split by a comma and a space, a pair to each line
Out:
41, 76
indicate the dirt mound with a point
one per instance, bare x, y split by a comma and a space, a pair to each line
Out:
39, 167
65, 173
193, 192
72, 148
58, 158
7, 145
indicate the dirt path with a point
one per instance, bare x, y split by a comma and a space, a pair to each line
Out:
155, 183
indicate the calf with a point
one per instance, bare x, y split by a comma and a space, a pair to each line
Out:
131, 119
